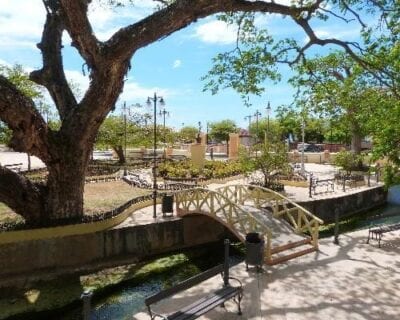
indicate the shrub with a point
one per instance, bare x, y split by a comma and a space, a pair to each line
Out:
212, 169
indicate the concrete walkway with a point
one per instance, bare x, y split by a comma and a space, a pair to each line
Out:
354, 280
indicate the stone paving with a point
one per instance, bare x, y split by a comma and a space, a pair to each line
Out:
349, 281
8, 157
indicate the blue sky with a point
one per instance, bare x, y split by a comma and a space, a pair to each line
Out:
171, 67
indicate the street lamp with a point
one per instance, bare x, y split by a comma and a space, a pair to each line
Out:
303, 125
268, 109
126, 111
207, 128
198, 139
257, 114
248, 117
163, 112
155, 99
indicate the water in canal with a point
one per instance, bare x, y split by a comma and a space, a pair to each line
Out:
128, 299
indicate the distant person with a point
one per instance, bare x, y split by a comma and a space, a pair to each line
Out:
212, 153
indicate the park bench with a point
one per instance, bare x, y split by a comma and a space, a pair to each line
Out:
16, 167
206, 303
329, 184
379, 231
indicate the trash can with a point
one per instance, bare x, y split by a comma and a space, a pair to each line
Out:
167, 205
254, 250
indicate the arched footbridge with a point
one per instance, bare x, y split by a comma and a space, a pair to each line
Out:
288, 229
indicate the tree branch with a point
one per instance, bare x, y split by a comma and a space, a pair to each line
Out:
80, 30
21, 195
183, 12
52, 74
28, 127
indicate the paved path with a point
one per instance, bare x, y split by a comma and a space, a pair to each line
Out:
9, 157
352, 281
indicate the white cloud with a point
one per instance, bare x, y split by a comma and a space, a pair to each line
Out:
106, 21
177, 64
4, 63
79, 82
216, 32
337, 32
21, 22
134, 92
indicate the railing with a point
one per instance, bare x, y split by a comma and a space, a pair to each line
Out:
301, 219
224, 210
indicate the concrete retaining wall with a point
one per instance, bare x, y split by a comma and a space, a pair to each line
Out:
88, 252
346, 205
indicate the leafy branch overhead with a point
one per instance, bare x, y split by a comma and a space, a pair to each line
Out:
255, 56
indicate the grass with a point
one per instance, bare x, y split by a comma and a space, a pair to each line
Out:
105, 196
98, 197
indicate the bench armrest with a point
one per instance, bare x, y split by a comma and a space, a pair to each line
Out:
154, 315
237, 280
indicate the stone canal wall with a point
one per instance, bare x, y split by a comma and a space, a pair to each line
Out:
346, 205
88, 252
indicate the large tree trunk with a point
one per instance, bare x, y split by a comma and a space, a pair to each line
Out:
356, 138
65, 183
120, 154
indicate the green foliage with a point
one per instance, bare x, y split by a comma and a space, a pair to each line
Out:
332, 87
348, 160
112, 133
212, 169
249, 64
188, 134
391, 175
219, 131
273, 158
5, 133
17, 76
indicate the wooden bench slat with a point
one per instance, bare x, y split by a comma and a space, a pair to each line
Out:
184, 285
205, 304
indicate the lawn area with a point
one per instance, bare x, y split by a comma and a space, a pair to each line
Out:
104, 196
98, 197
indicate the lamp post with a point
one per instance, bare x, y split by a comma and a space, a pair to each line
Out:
198, 133
126, 111
248, 117
155, 99
163, 112
302, 149
268, 110
207, 127
257, 114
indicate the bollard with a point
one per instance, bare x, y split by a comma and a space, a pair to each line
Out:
336, 230
344, 183
86, 298
226, 263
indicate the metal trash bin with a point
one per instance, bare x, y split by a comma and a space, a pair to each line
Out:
167, 204
254, 250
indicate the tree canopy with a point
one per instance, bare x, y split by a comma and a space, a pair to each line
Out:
219, 131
